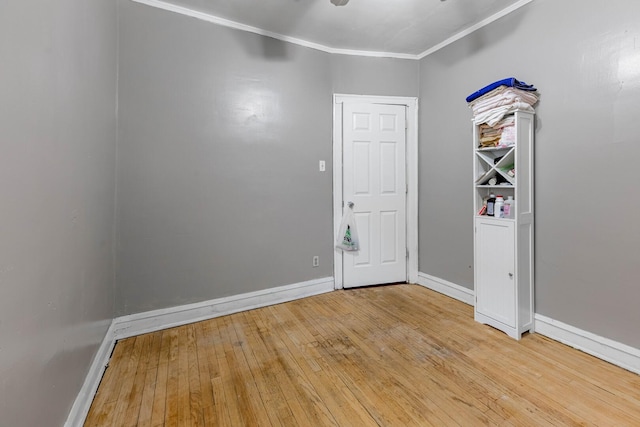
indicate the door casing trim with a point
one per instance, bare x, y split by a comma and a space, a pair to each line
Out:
411, 104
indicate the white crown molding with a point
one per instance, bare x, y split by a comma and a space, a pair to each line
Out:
159, 4
248, 28
373, 54
474, 28
227, 23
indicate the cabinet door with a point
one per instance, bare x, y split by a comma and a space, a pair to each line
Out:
494, 270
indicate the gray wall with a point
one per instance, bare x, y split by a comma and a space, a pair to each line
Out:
585, 60
220, 136
219, 193
221, 132
361, 75
57, 178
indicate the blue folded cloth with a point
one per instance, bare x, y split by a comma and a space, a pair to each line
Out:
511, 82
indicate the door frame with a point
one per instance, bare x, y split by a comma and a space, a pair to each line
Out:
411, 170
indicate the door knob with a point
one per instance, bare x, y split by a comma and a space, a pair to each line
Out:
350, 204
511, 275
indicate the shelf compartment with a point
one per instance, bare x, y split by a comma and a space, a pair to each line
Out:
490, 154
495, 162
502, 179
483, 191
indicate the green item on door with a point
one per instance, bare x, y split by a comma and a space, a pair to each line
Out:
347, 237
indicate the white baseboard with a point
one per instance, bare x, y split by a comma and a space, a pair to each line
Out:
82, 404
603, 348
447, 288
151, 321
126, 326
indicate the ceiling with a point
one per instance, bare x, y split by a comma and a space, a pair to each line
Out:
408, 28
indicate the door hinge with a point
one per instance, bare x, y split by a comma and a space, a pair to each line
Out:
407, 253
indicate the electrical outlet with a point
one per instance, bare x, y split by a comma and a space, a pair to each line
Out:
316, 261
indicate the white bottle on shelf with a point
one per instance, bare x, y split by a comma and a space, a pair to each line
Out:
509, 207
498, 207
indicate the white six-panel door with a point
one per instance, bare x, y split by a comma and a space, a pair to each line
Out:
374, 179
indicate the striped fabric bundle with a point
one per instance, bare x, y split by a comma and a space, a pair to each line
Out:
490, 106
501, 135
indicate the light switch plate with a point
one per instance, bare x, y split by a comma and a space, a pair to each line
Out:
322, 166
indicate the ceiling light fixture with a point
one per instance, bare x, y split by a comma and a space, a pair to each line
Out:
339, 2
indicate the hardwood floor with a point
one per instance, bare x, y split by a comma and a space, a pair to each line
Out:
391, 356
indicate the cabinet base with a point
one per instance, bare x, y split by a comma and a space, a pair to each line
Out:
515, 333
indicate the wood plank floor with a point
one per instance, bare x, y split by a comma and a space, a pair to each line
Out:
389, 356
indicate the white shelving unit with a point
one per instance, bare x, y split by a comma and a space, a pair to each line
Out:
503, 248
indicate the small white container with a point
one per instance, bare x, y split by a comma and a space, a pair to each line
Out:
498, 208
509, 207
